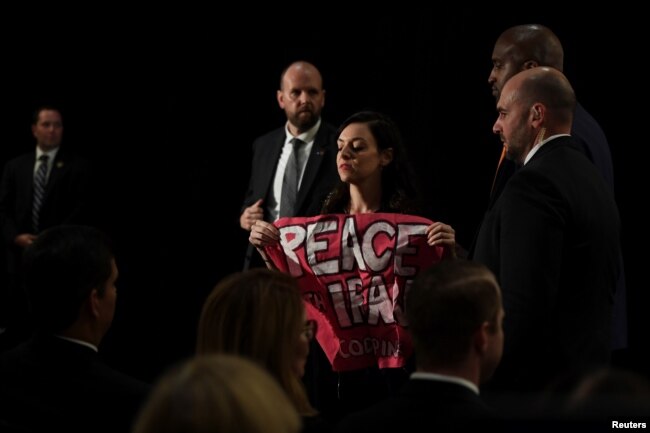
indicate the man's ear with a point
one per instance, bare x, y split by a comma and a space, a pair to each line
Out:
481, 338
537, 112
280, 96
93, 302
530, 64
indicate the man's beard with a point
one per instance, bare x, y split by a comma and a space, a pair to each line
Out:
517, 143
304, 120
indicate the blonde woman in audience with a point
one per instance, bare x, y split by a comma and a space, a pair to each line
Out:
259, 314
218, 393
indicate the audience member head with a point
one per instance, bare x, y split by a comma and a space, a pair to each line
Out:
534, 104
259, 314
217, 393
371, 150
301, 96
70, 275
609, 393
455, 317
520, 48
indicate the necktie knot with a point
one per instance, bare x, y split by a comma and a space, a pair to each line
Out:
297, 144
43, 158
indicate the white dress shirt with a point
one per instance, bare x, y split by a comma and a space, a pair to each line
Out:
273, 205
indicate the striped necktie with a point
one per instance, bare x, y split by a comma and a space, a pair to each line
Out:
40, 181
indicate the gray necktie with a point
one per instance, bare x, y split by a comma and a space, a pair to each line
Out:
40, 180
290, 180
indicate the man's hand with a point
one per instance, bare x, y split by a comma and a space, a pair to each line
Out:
251, 214
24, 240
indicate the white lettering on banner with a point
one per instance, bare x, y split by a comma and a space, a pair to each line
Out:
402, 248
369, 346
398, 311
379, 304
314, 245
292, 237
350, 248
338, 301
377, 263
314, 239
355, 291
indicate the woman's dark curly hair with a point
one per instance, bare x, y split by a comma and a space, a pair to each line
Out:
399, 193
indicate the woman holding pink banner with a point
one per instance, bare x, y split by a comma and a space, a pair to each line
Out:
375, 178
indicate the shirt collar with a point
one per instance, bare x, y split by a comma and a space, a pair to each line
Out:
535, 148
425, 375
50, 153
307, 136
81, 342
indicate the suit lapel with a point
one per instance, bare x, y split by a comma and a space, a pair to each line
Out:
271, 155
548, 147
27, 175
506, 170
314, 162
58, 166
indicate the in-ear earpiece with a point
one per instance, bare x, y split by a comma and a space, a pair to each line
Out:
535, 114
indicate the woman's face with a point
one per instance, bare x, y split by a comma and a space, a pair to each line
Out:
302, 349
359, 160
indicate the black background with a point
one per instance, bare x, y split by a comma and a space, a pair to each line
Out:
166, 103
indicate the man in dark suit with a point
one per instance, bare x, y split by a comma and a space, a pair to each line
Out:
454, 313
56, 381
302, 98
528, 46
271, 194
41, 189
552, 239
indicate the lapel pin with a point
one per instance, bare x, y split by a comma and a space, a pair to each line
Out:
59, 164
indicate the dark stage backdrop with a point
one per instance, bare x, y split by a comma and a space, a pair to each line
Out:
167, 106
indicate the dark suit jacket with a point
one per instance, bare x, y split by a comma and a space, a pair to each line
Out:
552, 240
422, 405
319, 178
50, 384
591, 138
588, 133
65, 201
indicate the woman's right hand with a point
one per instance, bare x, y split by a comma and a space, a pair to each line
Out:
263, 234
443, 235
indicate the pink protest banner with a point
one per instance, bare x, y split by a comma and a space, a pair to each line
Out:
354, 271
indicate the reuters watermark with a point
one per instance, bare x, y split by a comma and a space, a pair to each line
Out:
628, 424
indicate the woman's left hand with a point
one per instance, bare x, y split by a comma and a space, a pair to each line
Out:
444, 235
